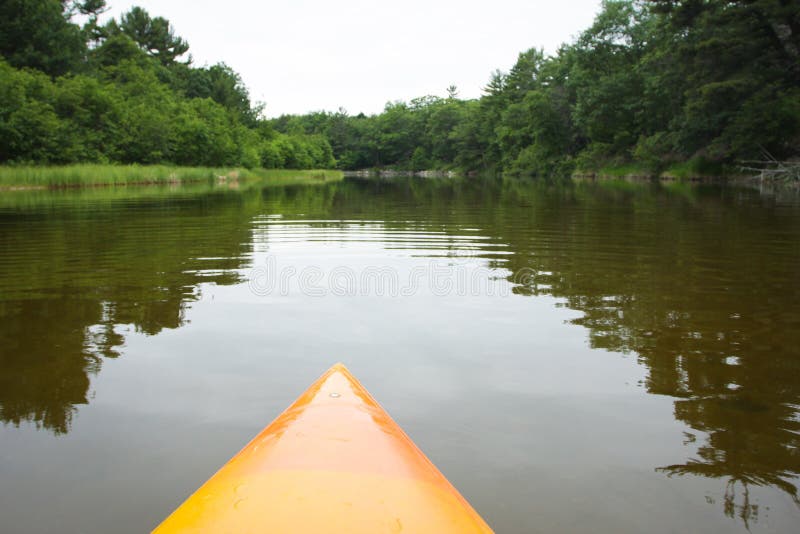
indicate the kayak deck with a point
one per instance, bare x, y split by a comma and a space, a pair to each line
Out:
334, 461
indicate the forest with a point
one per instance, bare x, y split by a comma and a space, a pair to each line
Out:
126, 92
685, 86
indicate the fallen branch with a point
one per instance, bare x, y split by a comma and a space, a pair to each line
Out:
771, 169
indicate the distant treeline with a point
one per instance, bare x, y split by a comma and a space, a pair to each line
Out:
73, 91
690, 84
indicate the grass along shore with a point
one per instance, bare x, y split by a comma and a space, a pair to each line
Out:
694, 170
93, 175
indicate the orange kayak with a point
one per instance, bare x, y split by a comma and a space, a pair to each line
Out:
335, 462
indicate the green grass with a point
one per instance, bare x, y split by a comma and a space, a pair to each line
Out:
695, 168
115, 175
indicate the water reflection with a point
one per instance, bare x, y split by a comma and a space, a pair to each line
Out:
71, 281
700, 284
704, 290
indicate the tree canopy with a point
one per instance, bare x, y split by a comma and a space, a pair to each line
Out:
653, 83
124, 91
650, 82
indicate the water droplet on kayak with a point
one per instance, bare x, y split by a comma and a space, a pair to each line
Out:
335, 395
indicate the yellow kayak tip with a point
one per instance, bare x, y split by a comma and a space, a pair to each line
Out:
333, 462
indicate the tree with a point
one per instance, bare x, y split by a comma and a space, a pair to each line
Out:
223, 85
742, 69
524, 75
93, 32
605, 78
38, 34
154, 35
117, 49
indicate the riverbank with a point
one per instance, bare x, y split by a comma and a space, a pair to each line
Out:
93, 175
631, 173
692, 173
757, 182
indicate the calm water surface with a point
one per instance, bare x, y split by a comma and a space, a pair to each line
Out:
576, 358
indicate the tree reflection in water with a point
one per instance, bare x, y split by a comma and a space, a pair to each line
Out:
699, 283
703, 289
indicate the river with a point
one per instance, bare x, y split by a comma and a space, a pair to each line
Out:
580, 357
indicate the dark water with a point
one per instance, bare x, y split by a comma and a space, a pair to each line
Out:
576, 358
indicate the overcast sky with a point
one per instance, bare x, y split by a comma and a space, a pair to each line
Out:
306, 55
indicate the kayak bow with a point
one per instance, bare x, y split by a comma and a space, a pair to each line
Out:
334, 461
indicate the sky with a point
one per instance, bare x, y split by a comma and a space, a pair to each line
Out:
298, 56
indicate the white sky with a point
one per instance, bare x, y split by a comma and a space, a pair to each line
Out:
307, 55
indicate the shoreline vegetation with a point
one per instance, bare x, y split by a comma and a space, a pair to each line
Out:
670, 89
633, 173
659, 88
87, 176
97, 175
